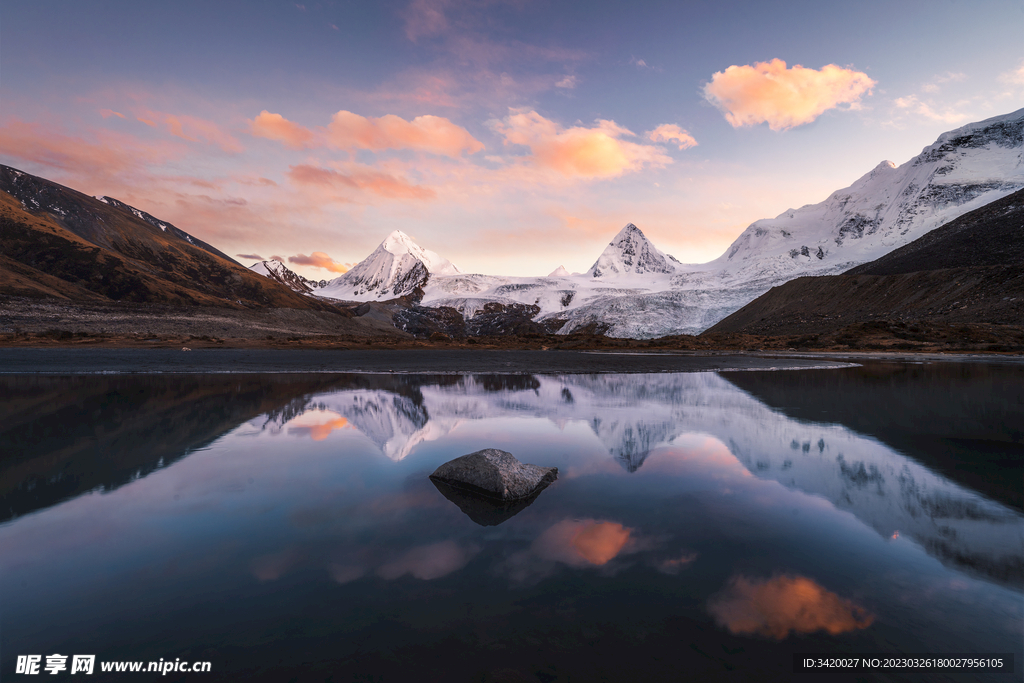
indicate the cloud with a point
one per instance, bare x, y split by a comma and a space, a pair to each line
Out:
429, 562
778, 606
579, 543
349, 131
425, 18
946, 115
569, 82
668, 132
769, 92
277, 127
638, 62
677, 564
1014, 76
109, 155
578, 152
937, 82
107, 113
316, 424
191, 128
369, 180
250, 257
427, 133
319, 259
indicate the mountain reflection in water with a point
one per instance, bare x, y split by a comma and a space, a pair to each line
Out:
714, 511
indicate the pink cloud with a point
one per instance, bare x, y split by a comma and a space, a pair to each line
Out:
349, 131
250, 257
107, 113
578, 152
110, 153
427, 133
319, 259
778, 606
377, 182
769, 92
669, 132
191, 128
277, 127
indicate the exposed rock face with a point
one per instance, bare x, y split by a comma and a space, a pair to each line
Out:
495, 474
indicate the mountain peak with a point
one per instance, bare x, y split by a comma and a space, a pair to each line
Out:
276, 270
631, 252
397, 267
560, 271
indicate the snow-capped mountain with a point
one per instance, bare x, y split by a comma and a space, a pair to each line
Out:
635, 290
276, 270
632, 252
560, 271
395, 268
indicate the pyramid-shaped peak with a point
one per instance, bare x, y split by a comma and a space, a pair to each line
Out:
630, 252
629, 231
560, 271
398, 241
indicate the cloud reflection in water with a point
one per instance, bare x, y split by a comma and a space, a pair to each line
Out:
775, 607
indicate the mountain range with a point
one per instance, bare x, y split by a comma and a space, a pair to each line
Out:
57, 243
635, 290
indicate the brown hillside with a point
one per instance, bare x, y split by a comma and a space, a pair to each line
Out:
56, 242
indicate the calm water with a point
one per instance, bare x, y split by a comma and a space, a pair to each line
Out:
703, 526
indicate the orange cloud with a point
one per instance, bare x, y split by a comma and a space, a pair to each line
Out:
433, 134
583, 542
775, 607
277, 127
192, 129
669, 132
107, 113
376, 182
319, 259
578, 152
769, 92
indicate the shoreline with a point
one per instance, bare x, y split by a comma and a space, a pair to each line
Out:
90, 361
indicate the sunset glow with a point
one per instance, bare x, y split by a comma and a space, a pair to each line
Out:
511, 138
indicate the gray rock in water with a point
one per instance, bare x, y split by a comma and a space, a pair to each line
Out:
495, 474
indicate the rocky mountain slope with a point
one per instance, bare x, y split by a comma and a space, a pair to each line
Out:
275, 270
969, 270
58, 243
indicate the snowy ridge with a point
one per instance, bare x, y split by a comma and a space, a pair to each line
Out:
276, 270
635, 290
396, 268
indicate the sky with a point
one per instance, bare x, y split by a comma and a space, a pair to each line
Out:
510, 137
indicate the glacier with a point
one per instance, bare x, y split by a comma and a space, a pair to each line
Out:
634, 290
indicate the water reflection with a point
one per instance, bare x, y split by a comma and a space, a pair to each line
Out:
633, 415
688, 510
776, 607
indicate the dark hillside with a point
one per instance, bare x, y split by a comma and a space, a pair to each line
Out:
969, 271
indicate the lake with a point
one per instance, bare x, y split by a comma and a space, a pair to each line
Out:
704, 525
